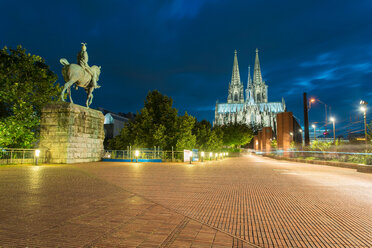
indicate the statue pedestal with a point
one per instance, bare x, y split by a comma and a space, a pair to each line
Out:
71, 133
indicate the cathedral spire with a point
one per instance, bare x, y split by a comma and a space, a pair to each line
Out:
257, 77
235, 78
249, 83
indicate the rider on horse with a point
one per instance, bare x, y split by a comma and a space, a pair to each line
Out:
82, 60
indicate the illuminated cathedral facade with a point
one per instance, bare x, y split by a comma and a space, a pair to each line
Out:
254, 109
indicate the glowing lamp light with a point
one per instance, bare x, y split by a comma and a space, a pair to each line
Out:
291, 133
363, 109
136, 153
216, 155
202, 154
313, 126
300, 130
37, 153
332, 119
312, 100
210, 154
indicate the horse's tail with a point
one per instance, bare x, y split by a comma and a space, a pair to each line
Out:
64, 61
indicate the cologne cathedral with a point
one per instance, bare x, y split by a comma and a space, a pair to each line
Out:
255, 108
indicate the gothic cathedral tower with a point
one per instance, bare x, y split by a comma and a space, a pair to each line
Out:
259, 86
236, 88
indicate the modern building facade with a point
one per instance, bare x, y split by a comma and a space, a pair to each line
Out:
254, 109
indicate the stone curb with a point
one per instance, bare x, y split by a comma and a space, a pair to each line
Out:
358, 167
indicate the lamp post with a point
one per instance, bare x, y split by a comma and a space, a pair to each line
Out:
210, 155
216, 155
314, 130
202, 156
313, 100
363, 108
334, 130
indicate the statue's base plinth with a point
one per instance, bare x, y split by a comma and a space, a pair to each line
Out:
71, 133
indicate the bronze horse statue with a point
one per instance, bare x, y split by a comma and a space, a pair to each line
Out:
75, 74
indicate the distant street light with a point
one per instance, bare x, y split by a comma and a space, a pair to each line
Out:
334, 130
363, 108
314, 130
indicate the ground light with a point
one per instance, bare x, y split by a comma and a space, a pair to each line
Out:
37, 154
136, 154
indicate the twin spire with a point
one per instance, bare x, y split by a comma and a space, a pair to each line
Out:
257, 77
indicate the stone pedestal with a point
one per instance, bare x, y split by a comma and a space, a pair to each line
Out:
71, 133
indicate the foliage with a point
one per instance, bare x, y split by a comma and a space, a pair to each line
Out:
320, 146
26, 85
155, 125
293, 145
185, 138
369, 132
236, 134
274, 143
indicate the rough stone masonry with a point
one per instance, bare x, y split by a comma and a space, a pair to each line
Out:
71, 133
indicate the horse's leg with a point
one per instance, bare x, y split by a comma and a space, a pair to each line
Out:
66, 86
89, 96
69, 94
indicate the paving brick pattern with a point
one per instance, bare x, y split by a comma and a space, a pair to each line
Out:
62, 206
266, 202
242, 202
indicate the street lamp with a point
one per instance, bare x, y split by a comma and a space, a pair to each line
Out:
210, 155
202, 156
363, 108
312, 100
314, 130
216, 155
334, 130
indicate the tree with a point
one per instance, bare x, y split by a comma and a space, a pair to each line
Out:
26, 85
155, 125
185, 138
215, 141
236, 134
202, 130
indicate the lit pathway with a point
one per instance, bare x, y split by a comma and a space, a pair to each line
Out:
230, 203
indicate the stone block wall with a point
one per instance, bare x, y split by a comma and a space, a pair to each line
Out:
71, 133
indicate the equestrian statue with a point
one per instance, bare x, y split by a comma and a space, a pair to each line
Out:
80, 75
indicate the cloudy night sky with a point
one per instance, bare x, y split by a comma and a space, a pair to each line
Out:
185, 49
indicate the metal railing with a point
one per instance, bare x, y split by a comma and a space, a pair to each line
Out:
349, 157
21, 156
155, 155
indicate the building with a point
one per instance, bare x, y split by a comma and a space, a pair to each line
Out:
254, 109
114, 122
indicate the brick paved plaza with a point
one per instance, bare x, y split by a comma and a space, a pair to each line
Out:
239, 202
